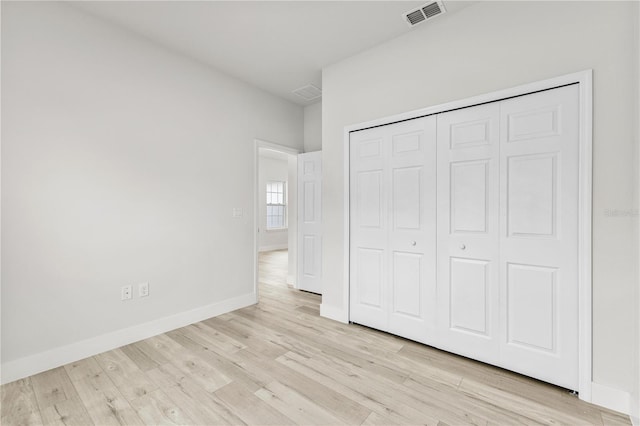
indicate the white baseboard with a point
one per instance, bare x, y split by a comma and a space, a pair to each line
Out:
611, 398
334, 313
273, 247
37, 363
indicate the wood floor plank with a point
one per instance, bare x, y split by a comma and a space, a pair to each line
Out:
52, 387
347, 410
540, 413
105, 404
156, 408
139, 357
19, 405
125, 374
201, 405
190, 363
70, 412
370, 400
83, 369
295, 406
250, 408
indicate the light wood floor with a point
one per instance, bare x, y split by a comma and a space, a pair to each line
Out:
280, 363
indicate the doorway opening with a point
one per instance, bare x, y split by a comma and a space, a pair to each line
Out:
275, 216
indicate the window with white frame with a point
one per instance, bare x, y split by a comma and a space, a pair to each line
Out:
276, 205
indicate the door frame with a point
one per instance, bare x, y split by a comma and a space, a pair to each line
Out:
257, 144
585, 81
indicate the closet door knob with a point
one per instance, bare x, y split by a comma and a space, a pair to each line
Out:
413, 243
462, 247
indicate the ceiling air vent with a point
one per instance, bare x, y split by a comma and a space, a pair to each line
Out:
308, 92
424, 13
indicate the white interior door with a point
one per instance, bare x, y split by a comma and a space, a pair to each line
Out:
392, 247
310, 222
468, 238
539, 144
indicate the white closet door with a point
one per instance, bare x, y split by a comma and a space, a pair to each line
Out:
539, 235
369, 188
310, 222
468, 239
392, 188
412, 228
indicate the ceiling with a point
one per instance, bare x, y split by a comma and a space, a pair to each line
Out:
278, 46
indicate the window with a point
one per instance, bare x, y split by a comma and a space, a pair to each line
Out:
276, 205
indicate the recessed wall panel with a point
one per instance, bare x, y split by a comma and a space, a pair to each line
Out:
531, 306
406, 283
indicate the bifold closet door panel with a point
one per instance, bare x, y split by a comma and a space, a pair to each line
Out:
412, 228
468, 231
392, 246
368, 193
539, 235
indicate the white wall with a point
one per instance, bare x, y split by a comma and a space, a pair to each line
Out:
313, 127
270, 169
121, 163
484, 48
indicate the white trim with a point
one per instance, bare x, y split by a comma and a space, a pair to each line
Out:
335, 314
259, 143
33, 364
584, 78
611, 398
272, 247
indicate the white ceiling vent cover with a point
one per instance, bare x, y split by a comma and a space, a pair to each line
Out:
308, 92
424, 13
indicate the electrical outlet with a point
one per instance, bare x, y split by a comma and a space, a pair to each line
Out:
143, 289
126, 292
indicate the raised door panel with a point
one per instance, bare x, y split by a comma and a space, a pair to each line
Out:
407, 198
532, 318
310, 257
406, 282
469, 193
369, 198
469, 296
532, 196
309, 202
370, 264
